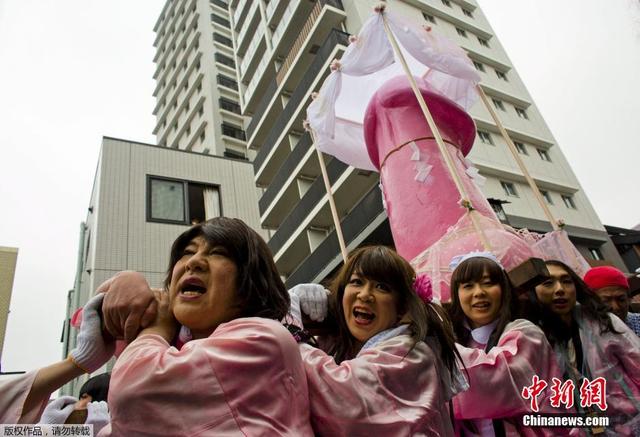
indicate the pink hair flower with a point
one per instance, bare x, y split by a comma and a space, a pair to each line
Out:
380, 7
424, 289
335, 65
353, 38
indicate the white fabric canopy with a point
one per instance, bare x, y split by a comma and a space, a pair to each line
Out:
336, 115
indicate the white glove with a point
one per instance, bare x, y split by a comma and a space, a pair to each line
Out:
91, 351
97, 415
294, 309
58, 410
314, 300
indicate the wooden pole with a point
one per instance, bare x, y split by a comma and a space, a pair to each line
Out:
332, 203
436, 134
519, 161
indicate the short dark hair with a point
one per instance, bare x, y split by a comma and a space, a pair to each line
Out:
384, 265
260, 290
472, 270
96, 387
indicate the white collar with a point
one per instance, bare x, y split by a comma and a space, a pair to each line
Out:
481, 335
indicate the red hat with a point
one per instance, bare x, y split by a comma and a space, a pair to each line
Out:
605, 276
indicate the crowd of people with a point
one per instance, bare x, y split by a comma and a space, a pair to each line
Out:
223, 349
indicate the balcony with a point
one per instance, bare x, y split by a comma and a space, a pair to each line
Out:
366, 223
220, 4
239, 15
245, 34
306, 47
310, 79
252, 57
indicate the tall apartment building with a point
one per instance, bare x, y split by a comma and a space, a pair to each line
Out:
8, 259
197, 106
284, 48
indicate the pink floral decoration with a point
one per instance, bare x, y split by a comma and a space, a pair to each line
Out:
423, 287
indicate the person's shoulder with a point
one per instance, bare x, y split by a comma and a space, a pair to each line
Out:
522, 325
256, 328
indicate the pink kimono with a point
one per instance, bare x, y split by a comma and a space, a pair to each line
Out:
496, 379
246, 378
13, 393
389, 389
616, 358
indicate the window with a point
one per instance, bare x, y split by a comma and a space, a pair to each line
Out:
485, 137
498, 104
568, 201
201, 110
522, 113
181, 202
202, 136
478, 66
429, 18
446, 3
229, 153
461, 32
467, 12
219, 20
228, 82
496, 205
502, 75
509, 188
233, 131
224, 60
188, 131
547, 196
520, 148
229, 105
483, 42
220, 3
222, 39
544, 155
595, 253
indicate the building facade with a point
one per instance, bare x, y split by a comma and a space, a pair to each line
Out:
143, 197
197, 103
8, 260
284, 49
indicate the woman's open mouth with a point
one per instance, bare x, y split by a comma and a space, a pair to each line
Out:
192, 288
363, 316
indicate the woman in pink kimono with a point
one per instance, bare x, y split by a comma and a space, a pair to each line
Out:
501, 355
392, 368
591, 343
241, 374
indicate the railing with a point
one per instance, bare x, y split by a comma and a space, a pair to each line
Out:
225, 60
262, 106
256, 77
284, 21
251, 50
228, 82
242, 35
273, 4
311, 198
284, 172
221, 21
334, 38
302, 36
221, 4
222, 39
363, 214
233, 132
229, 105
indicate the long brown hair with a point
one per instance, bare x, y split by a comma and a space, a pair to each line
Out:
382, 264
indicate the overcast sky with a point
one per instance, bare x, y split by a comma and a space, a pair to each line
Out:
72, 71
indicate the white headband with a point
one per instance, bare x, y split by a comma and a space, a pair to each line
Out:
457, 260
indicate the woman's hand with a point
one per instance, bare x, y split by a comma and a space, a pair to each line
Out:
165, 323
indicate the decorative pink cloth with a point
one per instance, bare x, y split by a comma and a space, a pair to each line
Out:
247, 378
497, 377
13, 393
616, 358
389, 389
